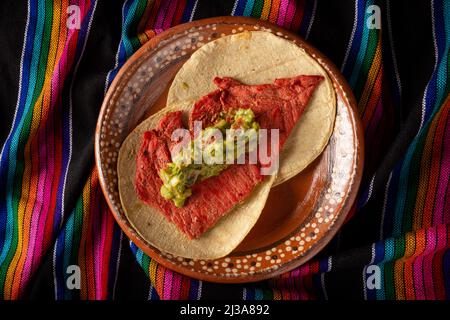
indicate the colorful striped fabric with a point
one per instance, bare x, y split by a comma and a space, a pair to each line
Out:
36, 154
52, 211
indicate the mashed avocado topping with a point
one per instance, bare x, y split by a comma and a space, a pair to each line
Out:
184, 171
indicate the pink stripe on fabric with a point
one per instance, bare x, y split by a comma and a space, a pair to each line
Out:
292, 283
304, 270
102, 294
170, 13
295, 276
176, 287
439, 215
161, 14
49, 174
35, 223
290, 14
432, 236
282, 12
96, 227
167, 294
99, 249
50, 163
442, 231
294, 279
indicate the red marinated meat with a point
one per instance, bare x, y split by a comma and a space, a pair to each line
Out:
276, 106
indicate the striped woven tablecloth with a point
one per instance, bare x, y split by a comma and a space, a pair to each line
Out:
53, 78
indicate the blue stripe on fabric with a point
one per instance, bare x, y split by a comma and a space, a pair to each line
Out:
193, 290
363, 198
250, 294
130, 10
379, 256
154, 294
188, 10
59, 273
306, 19
122, 51
402, 190
240, 7
446, 266
443, 40
259, 294
436, 92
323, 265
323, 269
248, 8
68, 245
133, 248
139, 255
379, 252
356, 42
388, 225
363, 47
389, 248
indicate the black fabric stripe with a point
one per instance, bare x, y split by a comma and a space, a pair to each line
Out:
42, 284
12, 29
132, 283
217, 291
345, 281
363, 229
101, 49
345, 285
412, 34
207, 8
88, 92
332, 28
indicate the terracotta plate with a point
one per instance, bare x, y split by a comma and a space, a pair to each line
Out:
301, 215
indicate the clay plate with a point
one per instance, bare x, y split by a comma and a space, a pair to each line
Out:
301, 215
